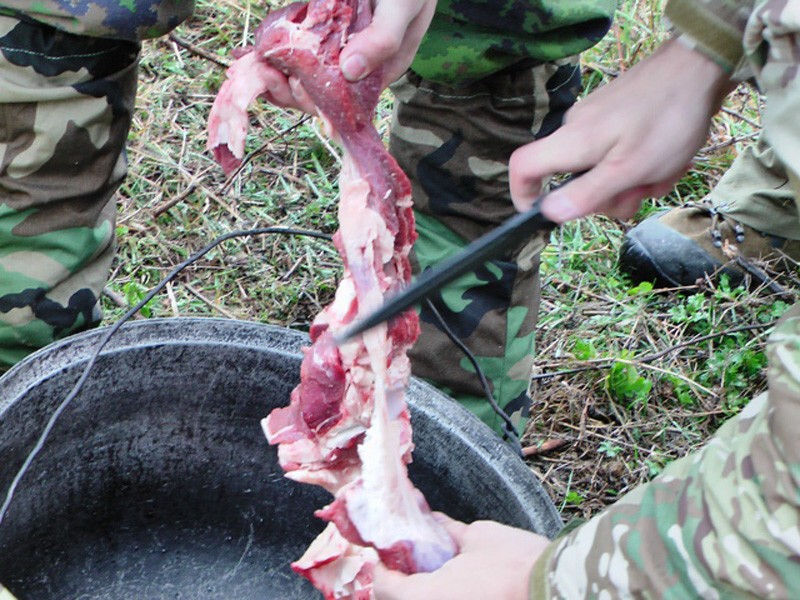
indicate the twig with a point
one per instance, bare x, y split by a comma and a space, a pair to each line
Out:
292, 269
232, 177
604, 69
115, 297
280, 173
173, 302
198, 51
703, 338
231, 209
165, 206
546, 446
741, 117
582, 422
177, 52
208, 302
728, 142
325, 141
761, 276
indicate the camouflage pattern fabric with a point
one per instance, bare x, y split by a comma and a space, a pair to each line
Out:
467, 40
65, 108
716, 26
724, 522
132, 20
454, 143
755, 191
471, 39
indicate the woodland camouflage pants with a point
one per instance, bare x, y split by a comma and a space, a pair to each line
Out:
454, 143
65, 109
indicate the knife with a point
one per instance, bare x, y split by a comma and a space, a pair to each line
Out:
5, 594
491, 245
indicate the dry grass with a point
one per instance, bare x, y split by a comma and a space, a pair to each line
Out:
624, 381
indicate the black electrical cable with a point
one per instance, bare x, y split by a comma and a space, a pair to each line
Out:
115, 327
508, 426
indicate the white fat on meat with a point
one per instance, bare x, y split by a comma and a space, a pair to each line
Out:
341, 569
347, 428
246, 80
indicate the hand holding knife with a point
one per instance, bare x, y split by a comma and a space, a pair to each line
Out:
492, 245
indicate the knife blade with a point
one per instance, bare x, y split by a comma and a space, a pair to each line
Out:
5, 594
491, 245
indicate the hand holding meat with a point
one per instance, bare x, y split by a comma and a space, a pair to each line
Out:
347, 427
635, 137
494, 561
389, 42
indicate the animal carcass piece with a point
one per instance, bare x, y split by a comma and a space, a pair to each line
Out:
347, 427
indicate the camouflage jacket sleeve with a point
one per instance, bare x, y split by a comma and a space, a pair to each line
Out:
115, 19
724, 522
471, 39
717, 26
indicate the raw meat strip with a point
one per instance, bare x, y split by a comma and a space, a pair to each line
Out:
347, 427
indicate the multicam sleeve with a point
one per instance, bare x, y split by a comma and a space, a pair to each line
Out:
724, 522
719, 524
716, 27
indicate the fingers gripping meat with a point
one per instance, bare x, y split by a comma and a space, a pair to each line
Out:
347, 427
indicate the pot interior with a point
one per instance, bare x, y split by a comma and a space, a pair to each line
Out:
157, 481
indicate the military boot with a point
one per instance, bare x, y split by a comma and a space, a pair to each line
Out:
747, 227
678, 247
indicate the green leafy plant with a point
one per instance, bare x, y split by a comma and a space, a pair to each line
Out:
609, 449
645, 287
624, 382
574, 498
584, 349
134, 293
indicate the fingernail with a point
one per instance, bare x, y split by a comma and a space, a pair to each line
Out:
559, 207
354, 67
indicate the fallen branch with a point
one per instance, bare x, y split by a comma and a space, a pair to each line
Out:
544, 447
198, 51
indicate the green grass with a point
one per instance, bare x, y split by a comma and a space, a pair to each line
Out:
626, 375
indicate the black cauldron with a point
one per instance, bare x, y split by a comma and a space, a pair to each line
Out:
157, 482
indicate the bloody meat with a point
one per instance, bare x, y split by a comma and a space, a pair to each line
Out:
347, 427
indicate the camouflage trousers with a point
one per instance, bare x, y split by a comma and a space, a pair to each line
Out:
454, 143
65, 110
756, 192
